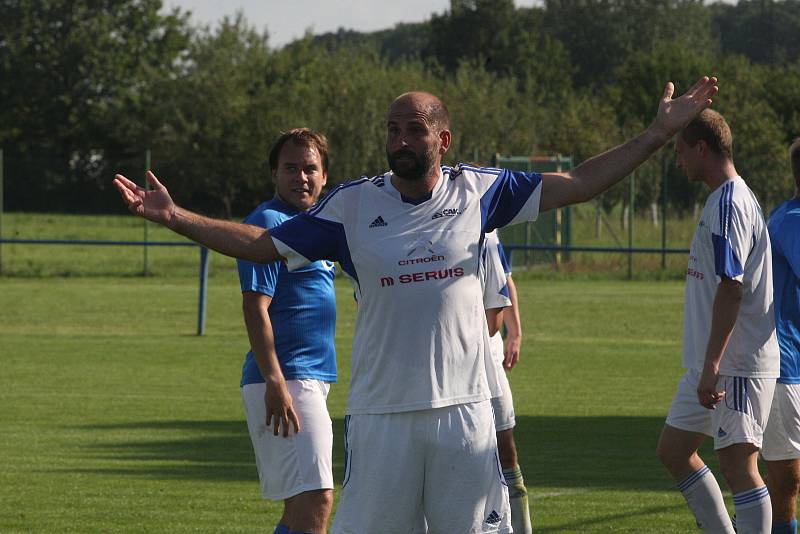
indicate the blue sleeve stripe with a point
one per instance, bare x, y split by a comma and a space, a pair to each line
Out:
506, 197
502, 253
725, 206
482, 170
725, 261
322, 203
504, 291
317, 239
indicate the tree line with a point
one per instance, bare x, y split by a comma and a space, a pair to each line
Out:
86, 86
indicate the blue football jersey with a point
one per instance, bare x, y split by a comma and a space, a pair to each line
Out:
784, 232
303, 308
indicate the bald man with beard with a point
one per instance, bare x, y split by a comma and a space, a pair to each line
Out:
420, 433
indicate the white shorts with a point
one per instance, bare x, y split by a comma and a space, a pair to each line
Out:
439, 464
300, 462
782, 437
503, 405
502, 402
741, 417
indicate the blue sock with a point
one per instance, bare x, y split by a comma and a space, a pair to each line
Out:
281, 529
299, 533
785, 527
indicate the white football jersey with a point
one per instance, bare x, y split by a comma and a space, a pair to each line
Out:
421, 331
731, 240
495, 295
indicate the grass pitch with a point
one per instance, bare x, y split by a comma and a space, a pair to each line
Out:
115, 417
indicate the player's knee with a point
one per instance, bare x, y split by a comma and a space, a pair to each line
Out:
311, 503
322, 499
666, 455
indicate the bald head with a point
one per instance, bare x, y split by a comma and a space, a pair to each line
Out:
426, 105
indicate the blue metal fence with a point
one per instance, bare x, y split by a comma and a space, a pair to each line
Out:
204, 257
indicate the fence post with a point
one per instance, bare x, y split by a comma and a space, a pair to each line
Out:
664, 211
631, 209
201, 307
2, 187
145, 269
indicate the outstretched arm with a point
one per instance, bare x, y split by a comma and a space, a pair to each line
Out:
232, 239
597, 174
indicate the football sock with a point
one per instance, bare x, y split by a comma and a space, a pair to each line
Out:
281, 529
785, 527
518, 501
753, 511
702, 494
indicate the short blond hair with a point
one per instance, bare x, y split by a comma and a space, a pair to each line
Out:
710, 127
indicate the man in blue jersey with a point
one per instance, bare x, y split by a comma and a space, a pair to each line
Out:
781, 450
420, 435
730, 352
290, 319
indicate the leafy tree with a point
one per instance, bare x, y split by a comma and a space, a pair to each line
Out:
210, 144
765, 31
69, 70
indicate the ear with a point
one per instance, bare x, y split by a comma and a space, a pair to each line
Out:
445, 137
324, 177
702, 148
274, 174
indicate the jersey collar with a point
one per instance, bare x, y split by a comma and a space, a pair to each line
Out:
390, 189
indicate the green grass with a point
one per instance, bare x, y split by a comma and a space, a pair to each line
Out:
116, 418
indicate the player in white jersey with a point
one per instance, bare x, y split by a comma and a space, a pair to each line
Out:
499, 301
420, 434
729, 348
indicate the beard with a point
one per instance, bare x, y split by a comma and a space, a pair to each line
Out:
408, 165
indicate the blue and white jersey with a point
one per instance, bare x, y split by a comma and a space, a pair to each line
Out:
731, 241
421, 330
784, 234
302, 311
494, 279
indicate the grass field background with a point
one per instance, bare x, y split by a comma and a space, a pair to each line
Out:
115, 417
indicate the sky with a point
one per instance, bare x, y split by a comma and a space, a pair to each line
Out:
287, 20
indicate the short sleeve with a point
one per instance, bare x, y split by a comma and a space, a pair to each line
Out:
732, 236
493, 276
315, 235
257, 277
512, 198
787, 240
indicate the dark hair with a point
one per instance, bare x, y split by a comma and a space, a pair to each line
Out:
711, 128
794, 157
301, 137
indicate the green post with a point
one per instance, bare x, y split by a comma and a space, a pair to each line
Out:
145, 270
631, 199
1, 210
664, 211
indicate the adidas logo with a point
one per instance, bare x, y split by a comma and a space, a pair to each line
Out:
493, 518
378, 222
721, 433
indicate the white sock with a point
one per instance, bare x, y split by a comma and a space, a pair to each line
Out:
753, 511
702, 494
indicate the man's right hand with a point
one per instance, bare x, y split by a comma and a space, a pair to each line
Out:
153, 204
280, 412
